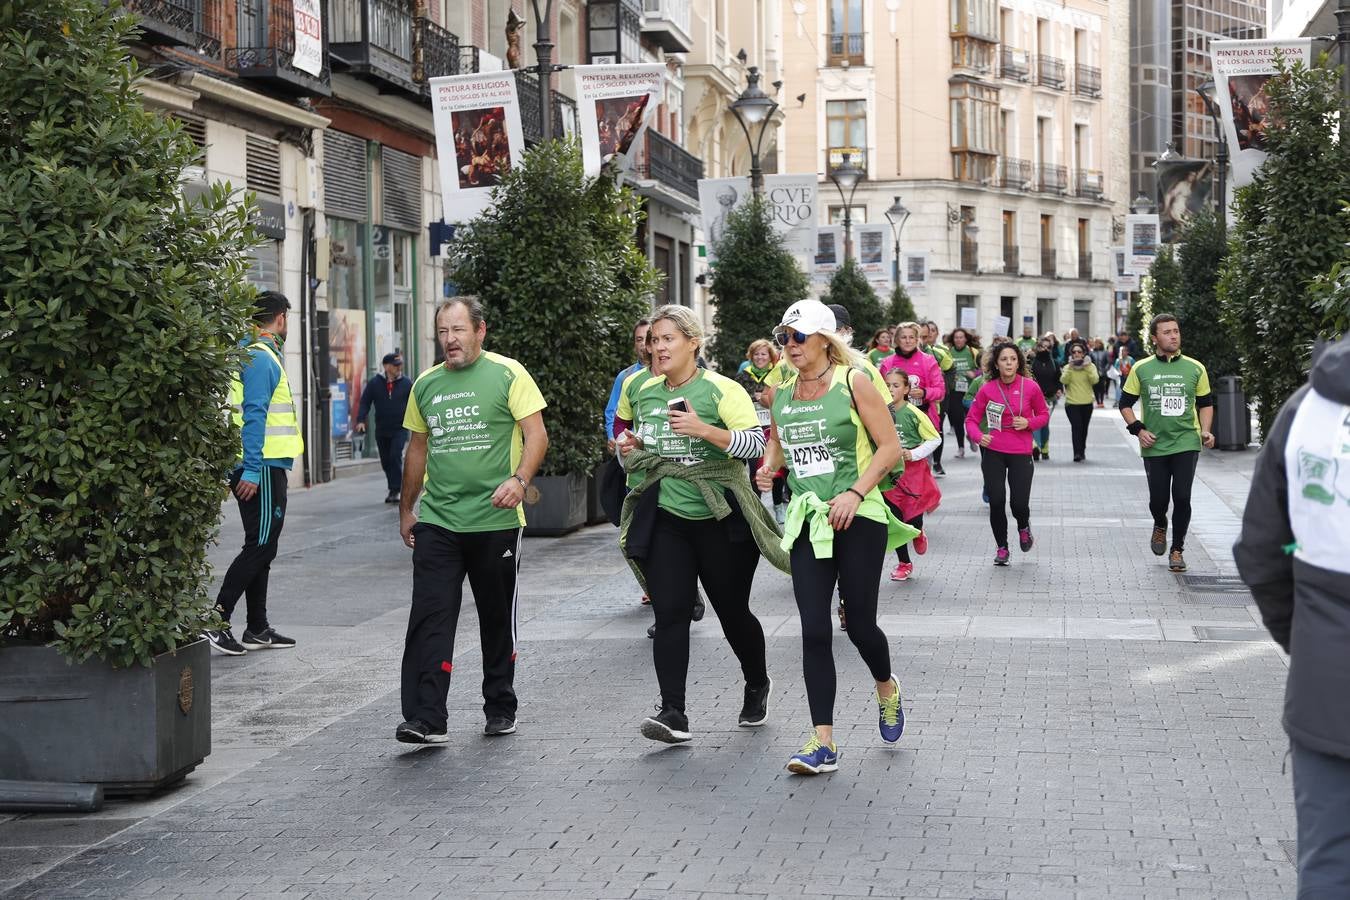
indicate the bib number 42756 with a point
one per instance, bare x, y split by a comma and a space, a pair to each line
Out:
812, 459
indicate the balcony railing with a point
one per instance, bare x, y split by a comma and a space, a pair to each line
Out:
970, 256
435, 52
667, 163
1014, 173
1085, 266
1048, 262
1052, 179
265, 48
1087, 80
564, 110
1050, 71
1012, 263
1015, 64
668, 24
834, 158
168, 21
374, 39
1089, 184
845, 47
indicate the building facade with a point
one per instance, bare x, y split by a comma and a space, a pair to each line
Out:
992, 124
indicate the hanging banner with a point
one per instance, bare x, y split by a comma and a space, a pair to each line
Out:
1241, 70
1183, 190
829, 251
874, 252
1123, 279
793, 199
614, 104
308, 56
478, 138
914, 269
1141, 242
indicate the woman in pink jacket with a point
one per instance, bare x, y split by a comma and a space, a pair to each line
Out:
1007, 410
927, 387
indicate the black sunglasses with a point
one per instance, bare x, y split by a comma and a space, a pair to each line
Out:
782, 337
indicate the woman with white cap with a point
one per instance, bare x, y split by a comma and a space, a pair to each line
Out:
832, 425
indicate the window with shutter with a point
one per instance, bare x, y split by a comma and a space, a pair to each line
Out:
262, 166
402, 189
346, 179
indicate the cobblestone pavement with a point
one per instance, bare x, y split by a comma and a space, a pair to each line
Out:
1082, 724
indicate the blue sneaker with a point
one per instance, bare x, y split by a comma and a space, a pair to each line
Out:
892, 720
984, 495
815, 758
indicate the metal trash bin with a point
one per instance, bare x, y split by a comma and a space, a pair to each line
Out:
1233, 421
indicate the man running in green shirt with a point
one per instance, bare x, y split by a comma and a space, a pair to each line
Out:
478, 437
1174, 423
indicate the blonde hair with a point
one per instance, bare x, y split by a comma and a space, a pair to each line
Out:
684, 320
914, 326
767, 345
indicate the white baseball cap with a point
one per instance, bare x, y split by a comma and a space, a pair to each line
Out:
808, 317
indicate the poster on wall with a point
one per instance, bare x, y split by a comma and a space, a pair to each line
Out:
829, 251
308, 18
615, 105
1241, 70
478, 138
1001, 326
1141, 241
874, 252
1183, 191
347, 362
970, 318
1122, 279
914, 268
792, 198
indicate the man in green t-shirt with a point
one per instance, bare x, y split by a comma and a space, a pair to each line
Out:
1173, 424
477, 439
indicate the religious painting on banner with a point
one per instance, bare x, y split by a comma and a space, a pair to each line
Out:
308, 20
478, 138
1183, 190
792, 205
914, 269
1141, 241
616, 103
1241, 70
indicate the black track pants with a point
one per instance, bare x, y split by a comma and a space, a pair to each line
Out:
955, 412
441, 559
856, 565
390, 444
1171, 477
1080, 416
263, 516
1007, 478
685, 552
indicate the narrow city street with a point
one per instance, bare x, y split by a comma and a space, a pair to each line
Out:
1082, 724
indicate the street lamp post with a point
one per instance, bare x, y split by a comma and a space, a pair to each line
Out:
1206, 91
846, 177
897, 215
754, 107
543, 51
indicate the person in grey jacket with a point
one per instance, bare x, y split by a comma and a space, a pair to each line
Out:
1294, 555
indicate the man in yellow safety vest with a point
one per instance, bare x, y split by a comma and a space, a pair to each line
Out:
260, 398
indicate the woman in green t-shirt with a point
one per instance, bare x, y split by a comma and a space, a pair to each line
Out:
964, 349
688, 415
880, 346
827, 420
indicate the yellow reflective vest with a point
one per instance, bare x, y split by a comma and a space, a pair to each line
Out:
281, 439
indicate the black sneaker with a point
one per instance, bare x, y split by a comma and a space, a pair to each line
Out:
669, 726
651, 632
267, 639
418, 732
223, 640
938, 471
499, 725
699, 609
392, 497
755, 710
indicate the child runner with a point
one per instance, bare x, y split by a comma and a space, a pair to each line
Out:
915, 492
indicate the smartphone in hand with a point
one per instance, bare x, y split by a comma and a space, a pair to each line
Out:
678, 405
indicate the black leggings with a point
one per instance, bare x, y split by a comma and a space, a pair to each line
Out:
955, 413
683, 553
1171, 475
1099, 389
1080, 415
942, 440
856, 565
902, 552
1017, 470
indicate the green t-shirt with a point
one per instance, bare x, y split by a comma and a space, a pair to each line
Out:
1026, 345
912, 427
876, 356
716, 400
964, 363
471, 417
627, 396
975, 384
940, 353
1167, 390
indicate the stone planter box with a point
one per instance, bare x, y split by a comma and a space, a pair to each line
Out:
132, 730
555, 505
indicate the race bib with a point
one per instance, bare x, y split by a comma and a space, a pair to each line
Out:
765, 416
809, 460
676, 448
962, 384
993, 417
1173, 400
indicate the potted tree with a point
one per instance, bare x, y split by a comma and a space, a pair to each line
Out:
121, 307
555, 264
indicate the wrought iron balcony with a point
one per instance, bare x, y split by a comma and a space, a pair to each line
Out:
1089, 184
668, 24
373, 39
970, 256
845, 47
667, 163
1050, 71
265, 48
531, 122
1087, 81
1048, 262
1014, 173
1015, 64
168, 21
1052, 179
435, 52
1012, 259
1085, 266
